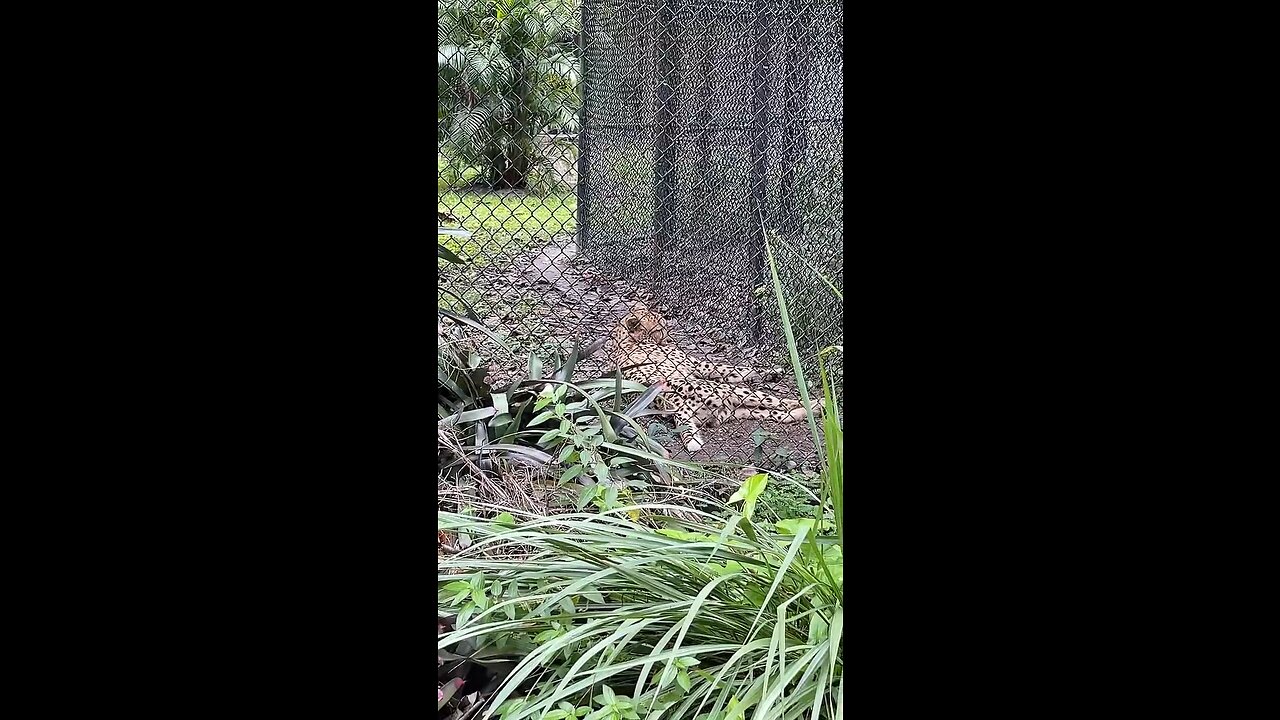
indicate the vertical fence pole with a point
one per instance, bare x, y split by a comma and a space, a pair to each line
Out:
705, 101
664, 118
763, 15
799, 58
584, 137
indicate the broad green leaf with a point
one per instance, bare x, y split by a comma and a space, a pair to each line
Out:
682, 679
542, 416
749, 492
792, 526
667, 677
510, 706
465, 614
585, 495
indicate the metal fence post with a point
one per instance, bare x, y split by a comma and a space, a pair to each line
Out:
705, 100
664, 117
761, 27
584, 137
796, 80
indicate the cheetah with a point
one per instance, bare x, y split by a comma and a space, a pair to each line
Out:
698, 393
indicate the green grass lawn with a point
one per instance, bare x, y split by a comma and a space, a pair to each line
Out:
508, 221
502, 221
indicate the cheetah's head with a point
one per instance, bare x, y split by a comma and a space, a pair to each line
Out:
641, 325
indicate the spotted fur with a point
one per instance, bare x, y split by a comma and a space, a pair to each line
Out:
699, 393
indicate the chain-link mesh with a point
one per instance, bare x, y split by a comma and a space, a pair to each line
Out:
609, 151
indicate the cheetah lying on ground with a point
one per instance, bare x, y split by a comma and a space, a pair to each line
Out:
697, 392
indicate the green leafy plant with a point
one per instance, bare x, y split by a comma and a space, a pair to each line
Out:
622, 605
583, 453
787, 499
711, 617
487, 657
507, 73
544, 419
706, 619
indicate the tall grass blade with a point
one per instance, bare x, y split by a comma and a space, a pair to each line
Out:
796, 367
810, 265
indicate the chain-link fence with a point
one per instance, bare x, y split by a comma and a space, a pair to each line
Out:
606, 152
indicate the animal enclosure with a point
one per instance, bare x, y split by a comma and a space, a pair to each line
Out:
609, 152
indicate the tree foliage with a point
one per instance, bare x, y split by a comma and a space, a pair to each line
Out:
507, 74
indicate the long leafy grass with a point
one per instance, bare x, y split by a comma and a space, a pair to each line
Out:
606, 616
832, 438
695, 620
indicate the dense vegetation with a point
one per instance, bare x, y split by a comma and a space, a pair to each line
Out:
627, 605
508, 73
